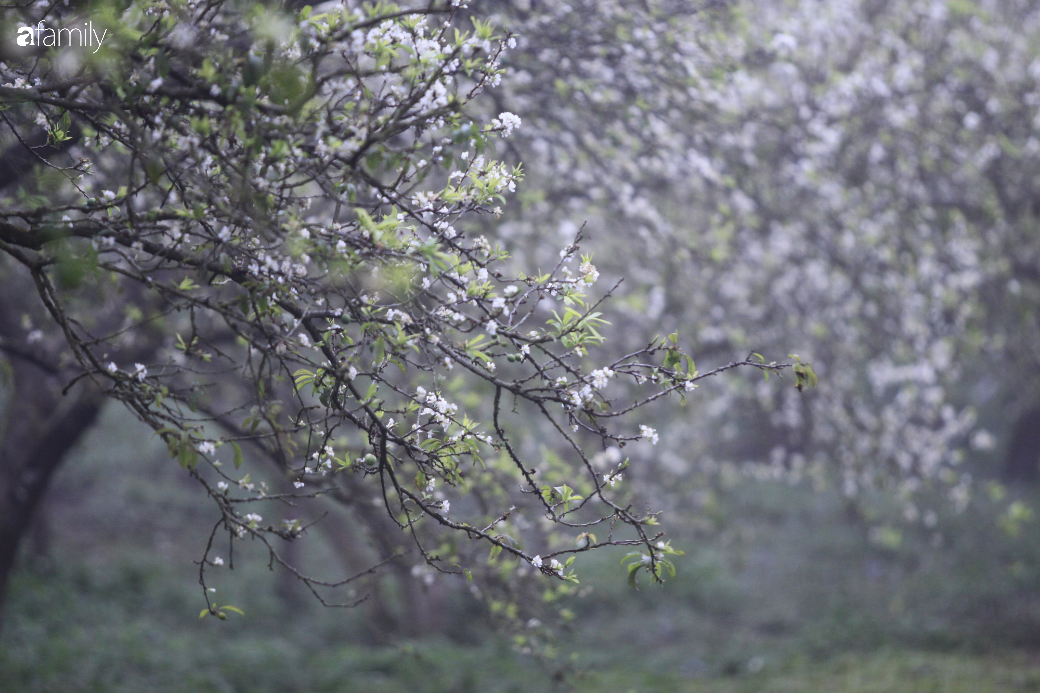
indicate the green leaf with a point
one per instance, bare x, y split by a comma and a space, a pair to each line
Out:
155, 169
672, 358
632, 570
238, 454
187, 456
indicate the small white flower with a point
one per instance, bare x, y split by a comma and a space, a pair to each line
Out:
222, 486
207, 447
140, 371
108, 195
298, 484
536, 561
445, 505
155, 84
588, 272
600, 377
351, 373
783, 43
689, 386
510, 291
253, 518
983, 440
498, 302
112, 367
217, 560
508, 121
492, 327
647, 432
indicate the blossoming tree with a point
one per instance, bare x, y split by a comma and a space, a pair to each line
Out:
259, 227
850, 180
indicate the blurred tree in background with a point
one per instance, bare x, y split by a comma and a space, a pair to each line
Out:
853, 181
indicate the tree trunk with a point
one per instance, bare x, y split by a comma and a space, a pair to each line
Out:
40, 428
1022, 462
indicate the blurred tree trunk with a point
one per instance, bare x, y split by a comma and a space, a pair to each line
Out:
41, 533
1022, 462
39, 428
348, 541
423, 607
40, 423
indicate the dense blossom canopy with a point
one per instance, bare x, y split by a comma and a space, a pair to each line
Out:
849, 180
266, 234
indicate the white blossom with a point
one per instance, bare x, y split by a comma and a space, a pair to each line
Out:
648, 433
600, 377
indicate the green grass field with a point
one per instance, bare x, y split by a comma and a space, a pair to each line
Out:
880, 672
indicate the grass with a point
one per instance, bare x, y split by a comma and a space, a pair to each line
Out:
880, 672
